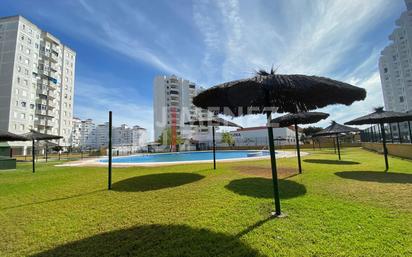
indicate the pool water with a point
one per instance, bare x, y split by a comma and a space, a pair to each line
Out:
186, 156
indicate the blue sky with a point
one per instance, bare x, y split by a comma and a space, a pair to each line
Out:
121, 45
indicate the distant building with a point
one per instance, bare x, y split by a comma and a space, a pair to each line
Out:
88, 135
254, 136
258, 136
172, 100
395, 67
36, 81
75, 137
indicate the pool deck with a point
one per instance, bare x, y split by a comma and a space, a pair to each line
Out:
95, 162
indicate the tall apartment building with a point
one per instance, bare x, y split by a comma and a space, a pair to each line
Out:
172, 101
395, 65
36, 80
395, 68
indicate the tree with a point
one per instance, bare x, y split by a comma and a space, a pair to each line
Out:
166, 137
311, 130
227, 138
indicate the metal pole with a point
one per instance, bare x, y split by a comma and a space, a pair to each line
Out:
298, 147
399, 133
334, 145
46, 152
385, 150
410, 132
33, 156
379, 135
214, 147
390, 130
110, 151
337, 142
273, 165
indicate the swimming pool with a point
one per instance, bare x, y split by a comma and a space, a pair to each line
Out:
187, 156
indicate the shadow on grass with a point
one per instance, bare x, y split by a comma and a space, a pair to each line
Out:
54, 200
155, 182
377, 176
336, 162
263, 188
156, 241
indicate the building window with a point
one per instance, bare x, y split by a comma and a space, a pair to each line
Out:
401, 99
23, 104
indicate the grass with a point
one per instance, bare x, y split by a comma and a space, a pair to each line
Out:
334, 209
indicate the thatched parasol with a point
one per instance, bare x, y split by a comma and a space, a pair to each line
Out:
335, 129
268, 92
295, 119
286, 93
214, 122
379, 116
8, 136
37, 136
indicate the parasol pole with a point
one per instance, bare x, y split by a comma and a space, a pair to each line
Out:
33, 155
399, 133
273, 165
110, 152
214, 147
385, 150
390, 130
337, 142
46, 151
298, 147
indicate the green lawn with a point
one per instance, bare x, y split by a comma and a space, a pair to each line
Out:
348, 208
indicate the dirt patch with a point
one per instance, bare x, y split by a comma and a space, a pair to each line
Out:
265, 172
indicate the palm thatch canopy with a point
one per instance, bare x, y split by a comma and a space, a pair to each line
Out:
34, 135
299, 118
286, 93
8, 136
212, 122
334, 129
380, 116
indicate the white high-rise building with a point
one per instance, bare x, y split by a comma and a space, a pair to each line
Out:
395, 68
172, 100
75, 137
395, 65
36, 81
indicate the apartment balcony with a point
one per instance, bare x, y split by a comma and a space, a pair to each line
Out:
42, 91
52, 95
44, 113
51, 38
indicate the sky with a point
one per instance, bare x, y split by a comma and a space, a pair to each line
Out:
121, 45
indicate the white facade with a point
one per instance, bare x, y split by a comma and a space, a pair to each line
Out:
395, 65
75, 137
258, 136
88, 135
171, 93
36, 80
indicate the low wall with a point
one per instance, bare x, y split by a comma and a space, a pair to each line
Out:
305, 146
400, 150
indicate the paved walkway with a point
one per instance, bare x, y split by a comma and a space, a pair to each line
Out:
95, 162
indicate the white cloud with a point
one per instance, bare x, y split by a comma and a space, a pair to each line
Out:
234, 38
